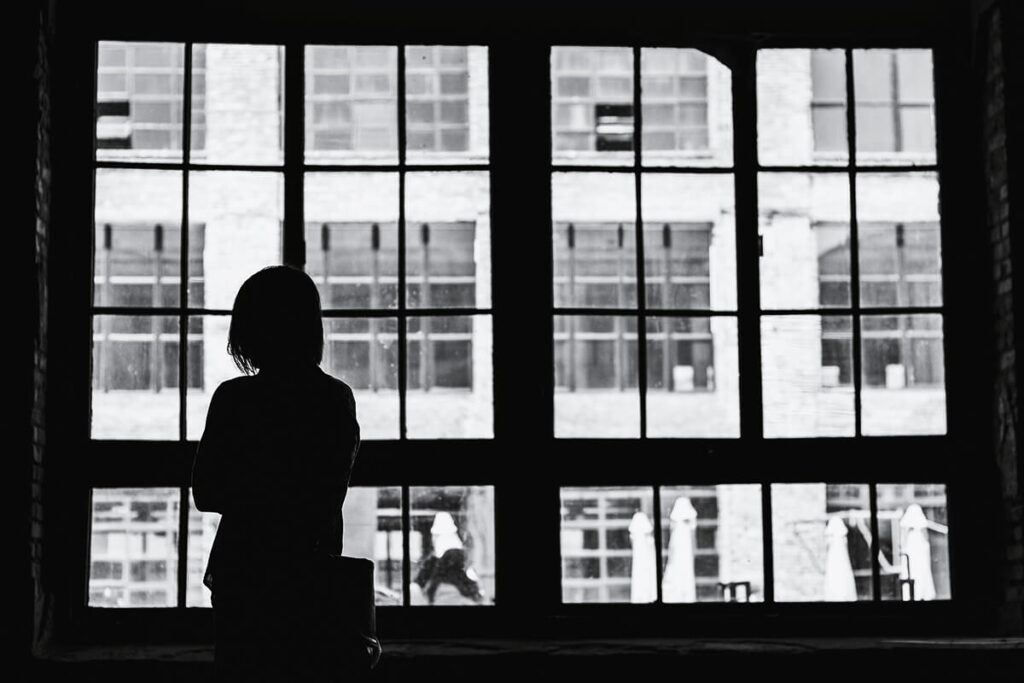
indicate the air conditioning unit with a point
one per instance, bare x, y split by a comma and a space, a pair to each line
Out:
113, 124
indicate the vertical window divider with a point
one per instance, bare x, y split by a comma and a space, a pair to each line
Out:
406, 558
641, 283
748, 283
876, 567
186, 144
851, 141
402, 331
658, 568
293, 238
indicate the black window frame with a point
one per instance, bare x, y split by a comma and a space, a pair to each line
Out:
529, 601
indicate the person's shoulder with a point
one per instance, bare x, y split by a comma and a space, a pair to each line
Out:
337, 385
233, 387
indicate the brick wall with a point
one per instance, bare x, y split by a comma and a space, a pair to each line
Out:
1006, 414
41, 232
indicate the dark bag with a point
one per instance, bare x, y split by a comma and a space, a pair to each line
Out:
352, 617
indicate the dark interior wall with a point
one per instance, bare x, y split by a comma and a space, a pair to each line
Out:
25, 395
998, 35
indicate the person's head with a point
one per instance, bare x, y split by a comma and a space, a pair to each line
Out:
276, 321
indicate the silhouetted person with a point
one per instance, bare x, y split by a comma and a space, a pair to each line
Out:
275, 460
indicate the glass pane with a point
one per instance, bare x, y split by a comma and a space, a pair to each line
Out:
876, 130
450, 377
140, 101
711, 543
452, 539
138, 238
135, 377
133, 557
692, 377
592, 105
596, 376
821, 542
607, 542
242, 214
202, 529
804, 220
352, 238
373, 529
903, 385
689, 241
801, 107
917, 129
899, 240
447, 104
237, 100
807, 375
208, 365
448, 240
895, 106
913, 534
351, 104
363, 352
687, 107
594, 216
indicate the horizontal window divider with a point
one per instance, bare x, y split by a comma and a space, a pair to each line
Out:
863, 310
407, 312
717, 619
581, 462
393, 168
713, 170
150, 311
860, 168
649, 312
180, 166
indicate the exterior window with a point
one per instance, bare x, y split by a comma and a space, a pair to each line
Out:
140, 99
594, 263
138, 266
351, 94
895, 101
900, 267
592, 99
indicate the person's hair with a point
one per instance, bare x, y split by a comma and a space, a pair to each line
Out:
276, 320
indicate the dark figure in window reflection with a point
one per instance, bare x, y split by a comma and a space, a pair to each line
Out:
275, 461
445, 576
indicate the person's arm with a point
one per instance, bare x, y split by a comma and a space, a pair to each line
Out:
209, 468
339, 475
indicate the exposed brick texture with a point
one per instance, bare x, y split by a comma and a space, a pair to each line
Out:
1006, 413
43, 202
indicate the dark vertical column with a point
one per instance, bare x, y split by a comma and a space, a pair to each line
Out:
186, 151
293, 245
851, 141
403, 329
641, 278
748, 282
524, 414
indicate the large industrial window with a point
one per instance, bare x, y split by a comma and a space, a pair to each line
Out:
713, 307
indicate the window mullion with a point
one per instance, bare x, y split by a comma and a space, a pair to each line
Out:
523, 328
293, 246
186, 144
748, 283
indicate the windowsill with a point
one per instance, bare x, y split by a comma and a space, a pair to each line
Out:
583, 647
